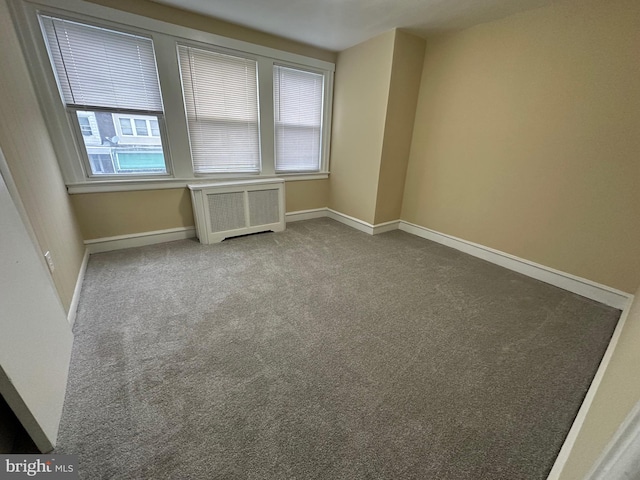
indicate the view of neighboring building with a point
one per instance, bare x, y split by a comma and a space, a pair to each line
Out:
121, 143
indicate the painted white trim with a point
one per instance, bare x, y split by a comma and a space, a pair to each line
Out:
165, 184
386, 227
570, 440
350, 221
73, 307
107, 244
342, 218
234, 183
305, 214
581, 286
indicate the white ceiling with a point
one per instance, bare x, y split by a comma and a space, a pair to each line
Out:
339, 24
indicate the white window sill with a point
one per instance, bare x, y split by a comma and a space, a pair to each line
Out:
98, 186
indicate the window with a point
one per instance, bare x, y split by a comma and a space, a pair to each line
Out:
155, 128
132, 102
102, 74
141, 128
298, 106
221, 99
125, 126
88, 124
85, 126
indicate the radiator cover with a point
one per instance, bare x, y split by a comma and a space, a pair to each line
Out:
229, 209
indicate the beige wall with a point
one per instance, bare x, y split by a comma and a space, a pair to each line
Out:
306, 195
120, 213
362, 80
406, 70
526, 139
617, 395
26, 144
212, 25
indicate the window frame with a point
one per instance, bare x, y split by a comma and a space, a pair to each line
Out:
165, 37
324, 146
71, 110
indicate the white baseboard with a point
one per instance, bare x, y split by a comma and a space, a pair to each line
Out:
570, 440
352, 222
343, 218
386, 227
108, 244
73, 308
581, 286
305, 214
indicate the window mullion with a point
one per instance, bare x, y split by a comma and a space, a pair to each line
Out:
175, 116
267, 129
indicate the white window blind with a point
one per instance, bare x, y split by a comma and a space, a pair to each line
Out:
97, 67
221, 100
298, 102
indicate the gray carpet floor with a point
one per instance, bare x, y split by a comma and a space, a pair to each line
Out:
323, 353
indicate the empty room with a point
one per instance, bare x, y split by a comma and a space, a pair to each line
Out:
320, 240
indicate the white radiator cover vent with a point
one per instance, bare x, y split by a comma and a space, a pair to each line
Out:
229, 209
